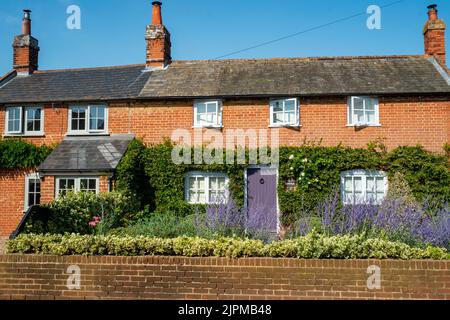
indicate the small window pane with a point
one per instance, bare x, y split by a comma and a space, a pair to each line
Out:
289, 106
201, 183
359, 116
97, 118
371, 117
370, 182
212, 108
380, 185
193, 183
278, 118
370, 104
33, 121
348, 184
278, 106
290, 117
358, 104
201, 108
14, 119
358, 184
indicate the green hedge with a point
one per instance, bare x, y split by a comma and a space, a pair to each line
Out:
312, 246
19, 154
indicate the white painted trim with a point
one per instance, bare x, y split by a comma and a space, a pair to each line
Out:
34, 133
351, 114
285, 125
76, 183
28, 177
363, 174
7, 111
219, 112
206, 176
87, 130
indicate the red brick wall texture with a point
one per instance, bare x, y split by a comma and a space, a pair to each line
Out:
45, 277
404, 121
12, 198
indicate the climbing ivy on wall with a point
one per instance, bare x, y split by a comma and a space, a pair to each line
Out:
156, 183
19, 154
316, 170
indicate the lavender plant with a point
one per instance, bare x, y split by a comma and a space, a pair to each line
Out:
395, 219
229, 220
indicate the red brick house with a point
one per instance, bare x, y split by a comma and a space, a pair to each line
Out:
94, 113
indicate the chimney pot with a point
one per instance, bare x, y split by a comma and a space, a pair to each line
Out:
158, 54
25, 48
156, 13
26, 22
434, 35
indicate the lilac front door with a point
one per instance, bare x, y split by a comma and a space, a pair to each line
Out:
262, 198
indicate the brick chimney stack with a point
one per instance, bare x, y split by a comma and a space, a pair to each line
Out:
158, 41
434, 34
25, 48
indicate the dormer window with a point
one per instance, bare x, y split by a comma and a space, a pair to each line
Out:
208, 114
88, 119
284, 113
363, 111
24, 121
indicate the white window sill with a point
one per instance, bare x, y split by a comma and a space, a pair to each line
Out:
207, 127
86, 134
285, 126
22, 135
362, 126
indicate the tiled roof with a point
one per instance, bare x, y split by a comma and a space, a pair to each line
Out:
234, 78
86, 154
298, 77
96, 84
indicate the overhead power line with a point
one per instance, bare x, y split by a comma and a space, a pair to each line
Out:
304, 31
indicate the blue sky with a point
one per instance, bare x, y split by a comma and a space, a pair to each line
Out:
112, 31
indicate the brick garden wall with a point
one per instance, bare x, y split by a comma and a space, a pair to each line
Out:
44, 277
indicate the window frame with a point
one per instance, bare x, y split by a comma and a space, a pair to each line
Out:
23, 131
28, 177
297, 113
25, 123
363, 174
87, 130
219, 112
207, 176
77, 180
351, 113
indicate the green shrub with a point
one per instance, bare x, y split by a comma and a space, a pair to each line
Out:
77, 212
312, 246
160, 225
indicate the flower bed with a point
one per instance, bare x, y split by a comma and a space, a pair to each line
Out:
312, 246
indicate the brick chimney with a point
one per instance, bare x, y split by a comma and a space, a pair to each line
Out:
26, 48
434, 34
158, 41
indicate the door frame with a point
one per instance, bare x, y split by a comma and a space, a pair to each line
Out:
276, 190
